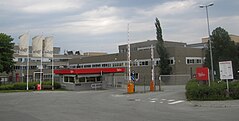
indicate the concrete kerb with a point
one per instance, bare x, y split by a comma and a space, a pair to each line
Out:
216, 104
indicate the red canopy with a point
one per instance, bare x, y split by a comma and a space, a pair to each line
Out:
89, 71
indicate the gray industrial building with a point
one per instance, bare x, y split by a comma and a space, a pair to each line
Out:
184, 59
20, 68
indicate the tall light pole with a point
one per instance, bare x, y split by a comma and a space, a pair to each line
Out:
209, 37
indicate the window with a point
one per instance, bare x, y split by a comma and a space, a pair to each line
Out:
106, 65
20, 59
87, 66
143, 63
193, 60
90, 79
199, 60
33, 67
73, 66
82, 79
118, 64
96, 65
69, 79
79, 66
17, 67
135, 63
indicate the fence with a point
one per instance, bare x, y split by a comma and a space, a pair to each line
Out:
174, 79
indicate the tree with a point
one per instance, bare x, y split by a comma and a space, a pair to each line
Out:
6, 53
165, 69
223, 49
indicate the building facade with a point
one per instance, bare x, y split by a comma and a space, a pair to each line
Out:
183, 59
20, 68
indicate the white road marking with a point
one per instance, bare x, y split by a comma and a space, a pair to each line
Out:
179, 101
163, 99
171, 100
137, 100
117, 95
152, 101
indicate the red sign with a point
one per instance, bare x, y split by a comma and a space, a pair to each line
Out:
202, 73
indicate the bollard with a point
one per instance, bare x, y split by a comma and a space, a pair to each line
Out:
130, 88
38, 87
152, 86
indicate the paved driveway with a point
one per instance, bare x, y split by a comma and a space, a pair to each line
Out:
112, 105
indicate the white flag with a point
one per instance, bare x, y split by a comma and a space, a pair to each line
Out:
37, 46
48, 47
23, 44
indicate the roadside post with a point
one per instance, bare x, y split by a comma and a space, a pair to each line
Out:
226, 72
133, 78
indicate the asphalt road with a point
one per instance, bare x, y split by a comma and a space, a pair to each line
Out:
113, 105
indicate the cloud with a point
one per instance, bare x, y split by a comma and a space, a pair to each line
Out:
102, 11
105, 22
168, 8
229, 23
102, 20
41, 6
50, 6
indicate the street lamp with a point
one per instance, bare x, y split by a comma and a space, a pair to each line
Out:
209, 37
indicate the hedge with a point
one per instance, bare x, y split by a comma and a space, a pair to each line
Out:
217, 91
31, 85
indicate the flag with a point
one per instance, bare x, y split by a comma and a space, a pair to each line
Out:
23, 44
48, 47
37, 46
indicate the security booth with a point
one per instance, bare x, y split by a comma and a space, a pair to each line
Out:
86, 78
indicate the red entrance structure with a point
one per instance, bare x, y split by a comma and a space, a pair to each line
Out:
89, 78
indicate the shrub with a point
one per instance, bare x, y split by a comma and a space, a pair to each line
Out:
20, 86
198, 91
6, 87
234, 90
57, 85
31, 86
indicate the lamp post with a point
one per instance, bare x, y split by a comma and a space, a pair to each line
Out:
209, 37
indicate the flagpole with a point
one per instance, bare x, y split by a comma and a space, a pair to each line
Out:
52, 78
24, 50
52, 71
41, 74
28, 66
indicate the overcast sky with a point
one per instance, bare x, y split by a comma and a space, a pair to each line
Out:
101, 25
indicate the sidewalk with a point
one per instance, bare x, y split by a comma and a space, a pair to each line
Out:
179, 91
216, 104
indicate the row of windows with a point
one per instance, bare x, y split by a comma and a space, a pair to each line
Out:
23, 67
171, 61
73, 79
194, 60
100, 65
39, 60
120, 64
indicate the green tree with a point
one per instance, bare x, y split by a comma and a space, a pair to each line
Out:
223, 49
6, 53
165, 69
